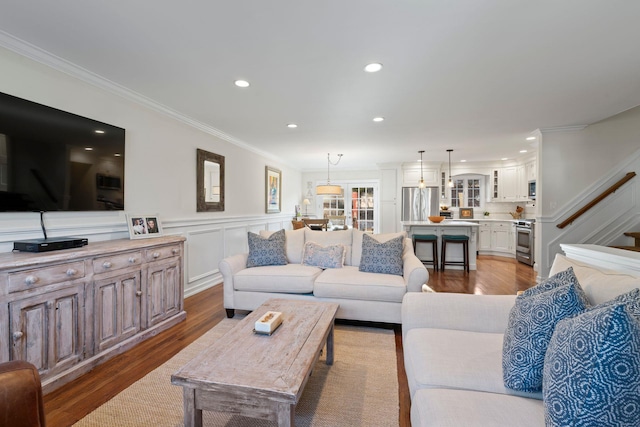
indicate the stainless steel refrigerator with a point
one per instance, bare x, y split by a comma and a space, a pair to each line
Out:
420, 203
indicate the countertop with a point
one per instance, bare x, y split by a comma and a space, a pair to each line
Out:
445, 223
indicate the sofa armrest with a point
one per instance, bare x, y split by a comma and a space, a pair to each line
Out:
414, 272
466, 312
229, 267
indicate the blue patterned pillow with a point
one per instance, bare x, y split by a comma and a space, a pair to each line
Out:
531, 323
382, 257
267, 250
592, 367
323, 256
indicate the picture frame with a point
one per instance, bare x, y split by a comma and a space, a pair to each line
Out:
466, 213
144, 226
273, 190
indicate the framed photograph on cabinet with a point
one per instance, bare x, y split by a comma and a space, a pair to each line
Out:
143, 226
273, 190
466, 213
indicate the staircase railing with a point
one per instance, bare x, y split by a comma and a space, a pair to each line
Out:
597, 200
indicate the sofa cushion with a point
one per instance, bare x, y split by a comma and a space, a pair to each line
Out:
294, 243
531, 323
326, 238
456, 408
316, 255
350, 283
266, 250
384, 257
447, 358
356, 253
290, 278
592, 366
600, 285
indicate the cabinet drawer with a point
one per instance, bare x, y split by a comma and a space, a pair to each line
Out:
29, 279
162, 252
116, 262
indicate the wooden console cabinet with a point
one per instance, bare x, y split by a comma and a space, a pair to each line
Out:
70, 310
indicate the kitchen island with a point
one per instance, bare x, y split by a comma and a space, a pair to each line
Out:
454, 252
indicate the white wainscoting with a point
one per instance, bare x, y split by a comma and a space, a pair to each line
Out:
208, 240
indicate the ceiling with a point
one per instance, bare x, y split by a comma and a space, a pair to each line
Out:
474, 76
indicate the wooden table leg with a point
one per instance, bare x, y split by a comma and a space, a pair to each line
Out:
330, 347
192, 416
286, 415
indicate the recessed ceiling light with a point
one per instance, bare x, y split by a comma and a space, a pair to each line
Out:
374, 67
462, 161
523, 151
241, 83
531, 138
99, 131
117, 155
378, 119
88, 149
504, 158
292, 125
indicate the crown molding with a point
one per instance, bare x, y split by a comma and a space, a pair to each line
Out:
37, 54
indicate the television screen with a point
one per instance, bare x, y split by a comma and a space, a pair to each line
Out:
51, 160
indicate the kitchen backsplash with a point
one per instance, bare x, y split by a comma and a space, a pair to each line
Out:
500, 210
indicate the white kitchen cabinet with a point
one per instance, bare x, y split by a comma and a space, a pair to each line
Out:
531, 171
496, 238
484, 236
512, 184
411, 177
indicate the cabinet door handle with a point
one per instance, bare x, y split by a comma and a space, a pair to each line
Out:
17, 335
156, 254
132, 260
106, 264
175, 251
72, 272
31, 280
138, 293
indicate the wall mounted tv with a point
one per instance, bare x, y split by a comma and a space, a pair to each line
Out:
51, 160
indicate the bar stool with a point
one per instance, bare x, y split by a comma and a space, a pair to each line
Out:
455, 238
427, 238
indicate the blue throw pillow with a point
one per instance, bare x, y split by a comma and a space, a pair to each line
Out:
592, 367
531, 323
382, 257
267, 250
323, 256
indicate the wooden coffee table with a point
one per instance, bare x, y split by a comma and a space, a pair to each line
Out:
259, 376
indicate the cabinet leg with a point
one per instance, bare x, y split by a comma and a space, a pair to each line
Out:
230, 312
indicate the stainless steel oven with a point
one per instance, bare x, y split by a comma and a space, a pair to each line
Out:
524, 241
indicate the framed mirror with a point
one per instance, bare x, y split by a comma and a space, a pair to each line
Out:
210, 182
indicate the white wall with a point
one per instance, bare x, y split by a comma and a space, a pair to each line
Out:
160, 174
575, 166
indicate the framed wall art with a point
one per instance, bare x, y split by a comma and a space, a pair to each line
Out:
143, 226
466, 213
273, 190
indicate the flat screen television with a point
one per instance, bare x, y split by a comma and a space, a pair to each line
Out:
51, 160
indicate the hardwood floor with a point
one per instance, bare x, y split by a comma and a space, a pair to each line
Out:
68, 404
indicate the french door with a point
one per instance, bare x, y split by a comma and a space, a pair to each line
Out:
359, 205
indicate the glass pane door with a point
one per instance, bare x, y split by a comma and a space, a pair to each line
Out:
363, 208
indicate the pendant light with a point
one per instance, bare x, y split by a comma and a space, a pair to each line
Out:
329, 190
450, 181
421, 183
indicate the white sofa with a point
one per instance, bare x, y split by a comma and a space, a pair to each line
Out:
453, 352
362, 296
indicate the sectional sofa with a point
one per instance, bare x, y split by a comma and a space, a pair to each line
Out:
453, 352
362, 295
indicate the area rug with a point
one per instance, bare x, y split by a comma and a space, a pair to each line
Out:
359, 389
